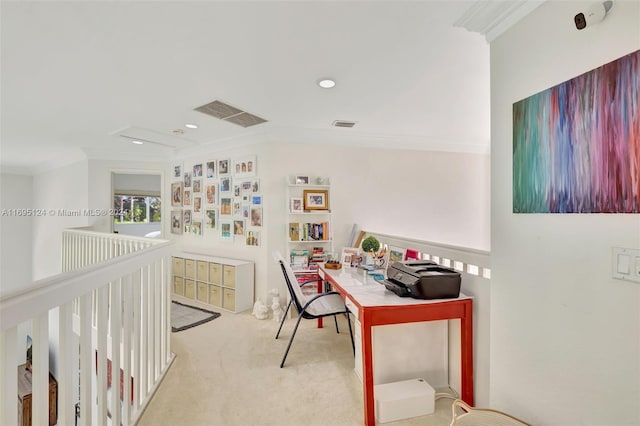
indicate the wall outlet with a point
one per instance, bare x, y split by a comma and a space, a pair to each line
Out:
626, 264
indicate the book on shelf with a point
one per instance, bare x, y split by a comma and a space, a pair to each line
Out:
308, 231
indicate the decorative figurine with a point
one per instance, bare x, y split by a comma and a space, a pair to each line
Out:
275, 306
260, 310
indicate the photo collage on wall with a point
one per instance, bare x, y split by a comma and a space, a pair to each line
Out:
217, 197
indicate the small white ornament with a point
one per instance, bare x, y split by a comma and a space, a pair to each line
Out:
260, 310
277, 309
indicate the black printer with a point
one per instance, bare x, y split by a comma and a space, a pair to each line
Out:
422, 279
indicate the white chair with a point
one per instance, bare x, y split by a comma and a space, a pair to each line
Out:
319, 306
465, 415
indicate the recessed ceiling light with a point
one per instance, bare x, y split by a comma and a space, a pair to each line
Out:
326, 83
191, 126
137, 142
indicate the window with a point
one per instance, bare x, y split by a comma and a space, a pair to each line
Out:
137, 208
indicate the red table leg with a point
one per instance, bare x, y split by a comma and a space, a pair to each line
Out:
466, 336
367, 372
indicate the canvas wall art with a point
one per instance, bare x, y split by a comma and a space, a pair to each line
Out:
576, 146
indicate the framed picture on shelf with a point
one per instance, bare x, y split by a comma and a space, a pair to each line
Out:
396, 254
296, 205
176, 194
176, 221
302, 180
316, 199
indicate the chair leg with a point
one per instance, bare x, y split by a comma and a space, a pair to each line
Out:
283, 318
351, 333
291, 341
335, 319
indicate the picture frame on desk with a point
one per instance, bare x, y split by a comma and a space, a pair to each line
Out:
296, 205
316, 199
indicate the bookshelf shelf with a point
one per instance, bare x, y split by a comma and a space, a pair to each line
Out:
308, 232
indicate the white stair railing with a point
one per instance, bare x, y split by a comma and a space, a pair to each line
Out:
109, 311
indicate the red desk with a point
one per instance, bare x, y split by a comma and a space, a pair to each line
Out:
374, 305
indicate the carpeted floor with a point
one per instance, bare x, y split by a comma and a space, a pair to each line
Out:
184, 317
226, 373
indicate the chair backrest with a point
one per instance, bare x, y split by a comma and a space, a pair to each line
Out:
295, 291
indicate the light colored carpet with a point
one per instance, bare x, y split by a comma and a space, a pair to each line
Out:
184, 317
226, 373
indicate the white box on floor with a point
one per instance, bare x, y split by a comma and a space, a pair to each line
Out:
403, 400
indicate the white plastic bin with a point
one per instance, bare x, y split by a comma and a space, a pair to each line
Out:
403, 400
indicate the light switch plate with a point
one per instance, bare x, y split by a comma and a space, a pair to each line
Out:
626, 264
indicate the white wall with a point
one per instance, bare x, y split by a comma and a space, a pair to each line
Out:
15, 249
565, 336
434, 196
61, 192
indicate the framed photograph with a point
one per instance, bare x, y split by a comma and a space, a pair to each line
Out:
238, 227
237, 190
225, 184
197, 170
237, 208
396, 254
246, 186
245, 212
197, 204
211, 194
225, 206
176, 221
211, 169
226, 233
186, 215
255, 186
253, 238
176, 174
196, 227
302, 180
187, 179
197, 185
223, 167
316, 199
256, 200
244, 167
212, 219
296, 205
186, 199
176, 194
256, 216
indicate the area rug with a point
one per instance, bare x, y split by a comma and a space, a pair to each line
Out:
185, 316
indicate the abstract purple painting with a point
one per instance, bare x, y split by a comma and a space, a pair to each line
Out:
576, 146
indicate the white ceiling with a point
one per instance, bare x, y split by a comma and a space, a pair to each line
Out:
76, 73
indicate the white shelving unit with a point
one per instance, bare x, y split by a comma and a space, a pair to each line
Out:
314, 226
210, 281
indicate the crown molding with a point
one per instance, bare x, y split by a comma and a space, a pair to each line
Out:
492, 18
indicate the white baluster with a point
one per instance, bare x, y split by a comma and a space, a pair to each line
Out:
40, 374
8, 376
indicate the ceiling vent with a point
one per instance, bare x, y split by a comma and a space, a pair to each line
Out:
230, 113
343, 123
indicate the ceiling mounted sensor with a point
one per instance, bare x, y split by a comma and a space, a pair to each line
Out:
344, 123
230, 113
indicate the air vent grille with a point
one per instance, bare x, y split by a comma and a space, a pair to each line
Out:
343, 123
230, 113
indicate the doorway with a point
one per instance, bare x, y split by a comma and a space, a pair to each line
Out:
137, 202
